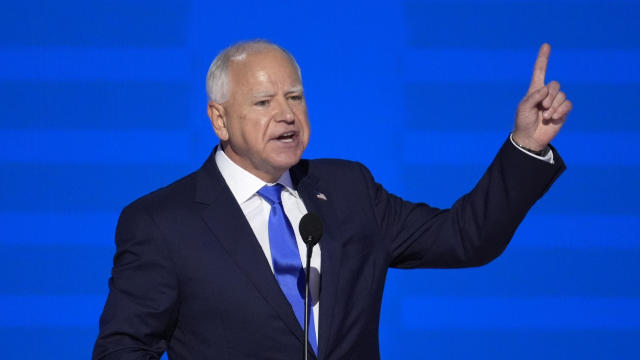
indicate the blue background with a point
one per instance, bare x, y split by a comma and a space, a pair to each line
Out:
104, 101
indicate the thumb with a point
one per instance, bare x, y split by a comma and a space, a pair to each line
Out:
534, 98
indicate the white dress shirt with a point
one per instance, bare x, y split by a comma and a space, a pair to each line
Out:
244, 187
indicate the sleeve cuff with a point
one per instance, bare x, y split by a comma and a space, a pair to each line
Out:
548, 158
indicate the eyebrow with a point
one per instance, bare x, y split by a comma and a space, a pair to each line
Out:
260, 94
297, 88
268, 93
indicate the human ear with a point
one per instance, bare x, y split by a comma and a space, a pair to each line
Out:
218, 119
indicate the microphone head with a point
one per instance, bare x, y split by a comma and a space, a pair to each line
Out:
310, 229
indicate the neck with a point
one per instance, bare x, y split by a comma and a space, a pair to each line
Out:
264, 175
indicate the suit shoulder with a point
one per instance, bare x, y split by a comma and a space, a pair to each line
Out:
338, 171
327, 164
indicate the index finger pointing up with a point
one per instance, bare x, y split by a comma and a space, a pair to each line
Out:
540, 68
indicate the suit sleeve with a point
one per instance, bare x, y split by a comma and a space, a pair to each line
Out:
140, 311
478, 227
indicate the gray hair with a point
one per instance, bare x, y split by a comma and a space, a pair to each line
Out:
218, 74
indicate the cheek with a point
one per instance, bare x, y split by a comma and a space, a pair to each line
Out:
301, 114
305, 125
250, 128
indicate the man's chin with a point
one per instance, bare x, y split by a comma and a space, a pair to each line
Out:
286, 164
285, 161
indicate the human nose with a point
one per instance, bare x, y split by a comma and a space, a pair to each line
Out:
284, 111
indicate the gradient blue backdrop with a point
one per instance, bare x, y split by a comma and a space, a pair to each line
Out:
104, 101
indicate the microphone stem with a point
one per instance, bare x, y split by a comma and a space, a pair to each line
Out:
306, 303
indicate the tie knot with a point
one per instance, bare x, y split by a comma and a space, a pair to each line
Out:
271, 193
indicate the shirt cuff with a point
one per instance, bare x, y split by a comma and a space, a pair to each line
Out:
548, 158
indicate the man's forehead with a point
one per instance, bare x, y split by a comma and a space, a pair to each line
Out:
263, 63
260, 73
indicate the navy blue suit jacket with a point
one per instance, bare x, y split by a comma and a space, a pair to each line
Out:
189, 276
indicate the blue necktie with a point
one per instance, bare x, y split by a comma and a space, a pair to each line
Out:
287, 266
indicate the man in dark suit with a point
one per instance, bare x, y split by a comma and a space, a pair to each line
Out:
209, 266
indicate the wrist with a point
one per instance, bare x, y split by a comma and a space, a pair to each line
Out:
534, 149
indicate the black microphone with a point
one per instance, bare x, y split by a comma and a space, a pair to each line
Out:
311, 232
310, 229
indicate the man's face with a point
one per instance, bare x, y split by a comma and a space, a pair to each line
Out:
263, 124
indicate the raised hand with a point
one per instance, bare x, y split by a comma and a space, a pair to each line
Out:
543, 110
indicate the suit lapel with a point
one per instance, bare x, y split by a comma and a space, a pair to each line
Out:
318, 201
230, 227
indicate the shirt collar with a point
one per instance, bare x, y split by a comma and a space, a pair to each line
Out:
243, 184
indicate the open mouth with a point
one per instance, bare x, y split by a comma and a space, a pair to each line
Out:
287, 136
